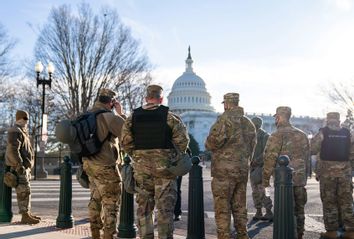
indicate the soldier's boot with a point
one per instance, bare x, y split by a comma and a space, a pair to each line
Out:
329, 235
107, 235
268, 216
348, 235
300, 235
241, 232
258, 215
34, 216
242, 236
95, 233
27, 219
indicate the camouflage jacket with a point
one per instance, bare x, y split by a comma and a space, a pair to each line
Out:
331, 168
19, 150
231, 140
107, 123
287, 140
262, 137
155, 161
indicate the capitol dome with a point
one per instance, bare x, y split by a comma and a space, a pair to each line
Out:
189, 92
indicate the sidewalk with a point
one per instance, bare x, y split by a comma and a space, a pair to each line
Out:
46, 229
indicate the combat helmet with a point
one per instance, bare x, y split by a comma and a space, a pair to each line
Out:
82, 177
181, 165
65, 132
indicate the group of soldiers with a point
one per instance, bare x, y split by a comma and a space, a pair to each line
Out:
234, 141
152, 134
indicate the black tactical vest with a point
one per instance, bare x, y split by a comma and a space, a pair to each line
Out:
150, 129
335, 145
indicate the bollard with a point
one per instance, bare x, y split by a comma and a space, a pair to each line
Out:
5, 195
65, 218
195, 202
126, 227
284, 223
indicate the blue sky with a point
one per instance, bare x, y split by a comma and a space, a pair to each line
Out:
272, 52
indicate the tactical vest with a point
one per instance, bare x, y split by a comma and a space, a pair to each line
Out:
150, 129
335, 145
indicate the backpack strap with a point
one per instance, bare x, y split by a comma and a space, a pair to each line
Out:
100, 112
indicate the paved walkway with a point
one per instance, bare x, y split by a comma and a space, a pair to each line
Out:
46, 229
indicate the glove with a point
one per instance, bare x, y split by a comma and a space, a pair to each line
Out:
253, 164
20, 169
265, 183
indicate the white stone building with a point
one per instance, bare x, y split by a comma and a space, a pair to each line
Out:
190, 99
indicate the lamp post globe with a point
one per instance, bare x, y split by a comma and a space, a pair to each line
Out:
42, 173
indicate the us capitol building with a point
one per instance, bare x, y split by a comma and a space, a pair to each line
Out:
190, 99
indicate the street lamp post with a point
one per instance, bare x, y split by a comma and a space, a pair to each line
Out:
42, 173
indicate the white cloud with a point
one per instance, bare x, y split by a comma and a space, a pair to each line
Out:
345, 5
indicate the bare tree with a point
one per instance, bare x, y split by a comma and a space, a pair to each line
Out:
342, 94
132, 92
6, 45
90, 51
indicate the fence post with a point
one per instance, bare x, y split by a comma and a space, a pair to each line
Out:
126, 227
195, 202
5, 195
65, 218
284, 227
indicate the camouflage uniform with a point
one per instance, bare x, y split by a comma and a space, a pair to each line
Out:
231, 140
102, 171
288, 140
335, 184
258, 191
156, 185
20, 158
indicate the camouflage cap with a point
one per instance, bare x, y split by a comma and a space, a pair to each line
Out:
154, 91
257, 121
333, 116
107, 92
283, 110
231, 98
21, 114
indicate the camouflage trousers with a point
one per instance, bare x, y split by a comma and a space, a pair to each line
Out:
163, 193
105, 187
300, 199
23, 191
337, 198
230, 198
259, 197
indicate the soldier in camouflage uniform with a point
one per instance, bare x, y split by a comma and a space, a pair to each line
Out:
334, 168
101, 168
148, 136
20, 158
231, 140
258, 192
288, 140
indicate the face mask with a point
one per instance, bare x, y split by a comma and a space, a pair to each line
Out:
22, 122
